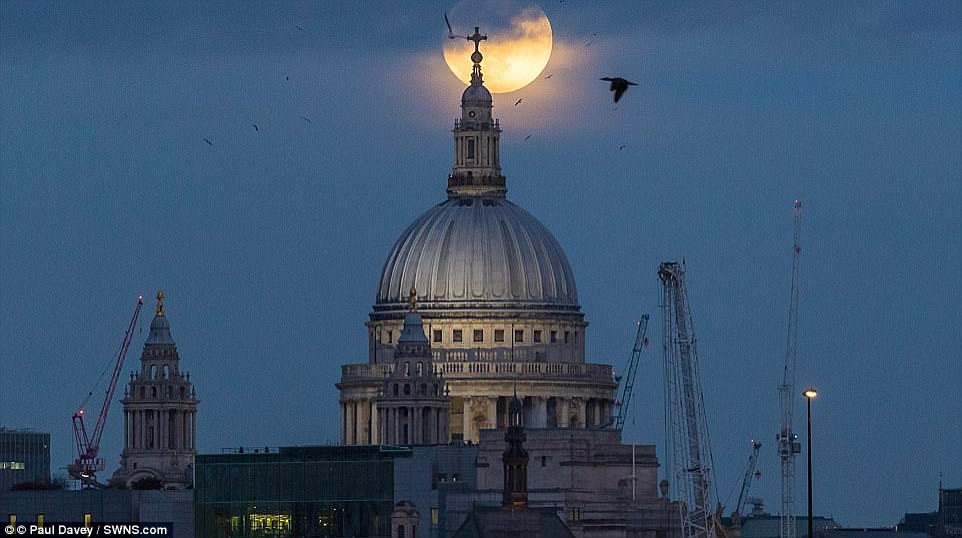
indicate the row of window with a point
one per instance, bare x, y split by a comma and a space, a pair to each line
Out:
18, 465
537, 336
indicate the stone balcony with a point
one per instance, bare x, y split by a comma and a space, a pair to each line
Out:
475, 368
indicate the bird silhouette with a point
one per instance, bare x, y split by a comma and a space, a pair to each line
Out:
618, 85
450, 31
301, 28
623, 146
549, 76
518, 102
527, 137
209, 143
255, 127
305, 118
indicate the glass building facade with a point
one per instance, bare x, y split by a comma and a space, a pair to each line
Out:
24, 457
296, 492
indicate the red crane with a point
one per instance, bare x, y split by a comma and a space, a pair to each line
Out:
88, 462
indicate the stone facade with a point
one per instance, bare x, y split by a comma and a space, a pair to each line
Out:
160, 414
589, 476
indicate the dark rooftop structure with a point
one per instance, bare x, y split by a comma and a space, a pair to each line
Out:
507, 522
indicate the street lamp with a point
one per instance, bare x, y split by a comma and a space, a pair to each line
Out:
810, 394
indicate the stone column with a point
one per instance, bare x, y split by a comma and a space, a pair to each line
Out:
581, 408
562, 409
540, 412
162, 428
366, 426
466, 417
193, 430
375, 424
351, 422
491, 414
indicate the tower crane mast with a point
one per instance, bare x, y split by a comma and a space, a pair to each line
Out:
88, 461
641, 340
690, 451
750, 471
788, 445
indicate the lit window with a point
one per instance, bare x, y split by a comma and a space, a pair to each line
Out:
437, 335
537, 336
478, 335
499, 335
519, 335
457, 335
435, 516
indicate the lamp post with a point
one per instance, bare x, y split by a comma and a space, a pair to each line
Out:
810, 394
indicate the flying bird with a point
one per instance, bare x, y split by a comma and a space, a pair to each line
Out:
450, 31
305, 118
518, 102
209, 143
623, 146
618, 85
549, 76
301, 28
587, 44
527, 137
255, 127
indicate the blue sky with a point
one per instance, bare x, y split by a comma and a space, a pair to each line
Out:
269, 243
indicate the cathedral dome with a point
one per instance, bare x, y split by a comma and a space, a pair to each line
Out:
477, 252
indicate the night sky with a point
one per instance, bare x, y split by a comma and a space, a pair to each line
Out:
268, 243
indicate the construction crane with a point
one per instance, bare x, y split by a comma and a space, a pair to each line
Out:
88, 461
689, 457
750, 471
641, 340
788, 445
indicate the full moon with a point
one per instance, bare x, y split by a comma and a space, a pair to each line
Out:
517, 49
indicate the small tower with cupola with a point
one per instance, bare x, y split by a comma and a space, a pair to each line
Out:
413, 406
160, 414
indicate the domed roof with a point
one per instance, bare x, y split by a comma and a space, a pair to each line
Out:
476, 94
470, 250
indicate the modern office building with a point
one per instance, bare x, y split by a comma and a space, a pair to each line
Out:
24, 457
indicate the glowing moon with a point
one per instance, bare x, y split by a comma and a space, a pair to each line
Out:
517, 49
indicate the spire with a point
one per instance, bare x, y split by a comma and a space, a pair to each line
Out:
477, 159
160, 327
515, 458
476, 56
412, 341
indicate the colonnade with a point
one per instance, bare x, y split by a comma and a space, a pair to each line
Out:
159, 429
361, 425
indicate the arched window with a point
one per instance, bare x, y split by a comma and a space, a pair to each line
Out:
420, 368
407, 389
395, 389
407, 368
